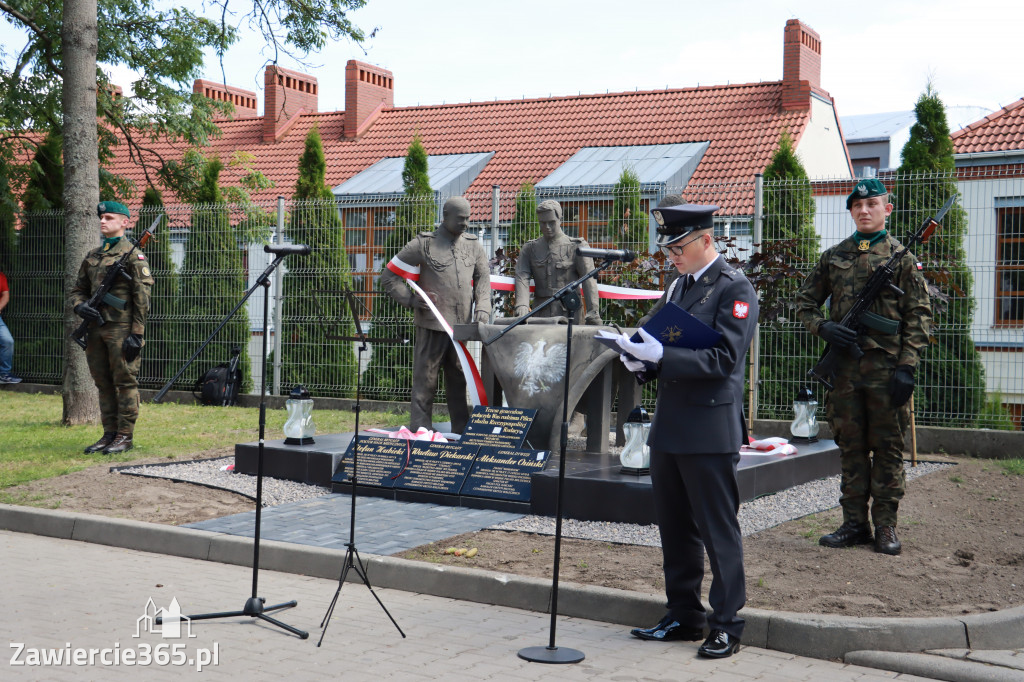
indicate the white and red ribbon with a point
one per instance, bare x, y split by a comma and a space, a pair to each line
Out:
505, 283
477, 394
403, 269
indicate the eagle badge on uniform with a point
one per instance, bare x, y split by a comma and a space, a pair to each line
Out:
864, 245
740, 310
145, 271
658, 218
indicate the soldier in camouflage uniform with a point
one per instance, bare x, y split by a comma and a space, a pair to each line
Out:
551, 260
116, 330
450, 266
867, 408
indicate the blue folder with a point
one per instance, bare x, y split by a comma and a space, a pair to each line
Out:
674, 326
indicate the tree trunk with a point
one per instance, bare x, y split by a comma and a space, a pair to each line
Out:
81, 190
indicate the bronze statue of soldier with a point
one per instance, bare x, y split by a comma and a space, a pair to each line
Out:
553, 261
452, 270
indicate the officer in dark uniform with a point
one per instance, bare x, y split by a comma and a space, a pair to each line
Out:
116, 330
697, 431
451, 268
552, 261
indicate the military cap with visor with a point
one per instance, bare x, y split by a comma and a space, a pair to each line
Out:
112, 207
675, 222
871, 187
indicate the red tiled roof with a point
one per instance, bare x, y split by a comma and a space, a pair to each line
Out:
1000, 131
530, 137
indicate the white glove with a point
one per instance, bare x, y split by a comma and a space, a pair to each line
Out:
648, 350
631, 365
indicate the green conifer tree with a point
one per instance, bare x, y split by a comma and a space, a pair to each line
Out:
524, 226
8, 236
628, 223
787, 350
389, 374
213, 280
161, 357
313, 284
36, 315
950, 378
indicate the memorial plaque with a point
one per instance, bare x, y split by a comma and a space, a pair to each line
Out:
499, 426
437, 467
504, 473
379, 460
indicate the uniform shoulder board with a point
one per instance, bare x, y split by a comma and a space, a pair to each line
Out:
730, 272
576, 240
467, 235
425, 234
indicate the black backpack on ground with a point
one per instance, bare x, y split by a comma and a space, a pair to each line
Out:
220, 384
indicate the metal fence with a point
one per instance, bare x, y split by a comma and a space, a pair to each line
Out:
206, 257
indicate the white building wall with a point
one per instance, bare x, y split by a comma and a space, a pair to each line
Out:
821, 149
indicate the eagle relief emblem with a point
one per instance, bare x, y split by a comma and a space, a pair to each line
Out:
537, 367
671, 335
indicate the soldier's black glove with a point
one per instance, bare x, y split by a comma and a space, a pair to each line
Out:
131, 347
88, 313
901, 385
838, 335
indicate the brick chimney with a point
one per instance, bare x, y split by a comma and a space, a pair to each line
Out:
368, 90
801, 65
245, 101
287, 95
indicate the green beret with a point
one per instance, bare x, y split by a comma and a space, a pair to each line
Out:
864, 189
112, 207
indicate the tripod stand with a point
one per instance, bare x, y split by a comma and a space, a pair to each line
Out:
254, 606
570, 299
352, 560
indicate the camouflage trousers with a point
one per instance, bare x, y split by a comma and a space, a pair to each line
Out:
870, 433
116, 380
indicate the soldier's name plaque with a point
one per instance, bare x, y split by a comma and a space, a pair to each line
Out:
437, 467
499, 426
380, 460
504, 473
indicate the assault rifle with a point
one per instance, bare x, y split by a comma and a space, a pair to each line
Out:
880, 280
117, 270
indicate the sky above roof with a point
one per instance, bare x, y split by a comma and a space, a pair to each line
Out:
876, 57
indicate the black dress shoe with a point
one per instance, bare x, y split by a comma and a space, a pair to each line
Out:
107, 439
886, 541
719, 644
122, 443
847, 535
668, 630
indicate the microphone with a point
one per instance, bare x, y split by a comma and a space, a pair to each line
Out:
288, 249
624, 255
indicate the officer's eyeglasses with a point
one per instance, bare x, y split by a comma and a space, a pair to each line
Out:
678, 250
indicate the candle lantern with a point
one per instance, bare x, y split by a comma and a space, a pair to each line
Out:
299, 428
805, 417
636, 455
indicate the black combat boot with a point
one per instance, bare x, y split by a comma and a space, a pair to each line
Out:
107, 439
886, 541
847, 535
122, 443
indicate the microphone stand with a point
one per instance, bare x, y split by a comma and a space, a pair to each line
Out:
255, 605
352, 559
570, 299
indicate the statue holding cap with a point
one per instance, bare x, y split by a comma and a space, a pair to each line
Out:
115, 340
450, 266
552, 261
868, 410
697, 430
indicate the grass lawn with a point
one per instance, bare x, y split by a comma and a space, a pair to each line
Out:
34, 445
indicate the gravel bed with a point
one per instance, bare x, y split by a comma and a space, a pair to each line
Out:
756, 515
208, 472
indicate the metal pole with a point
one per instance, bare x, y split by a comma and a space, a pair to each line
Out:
278, 303
755, 344
495, 198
